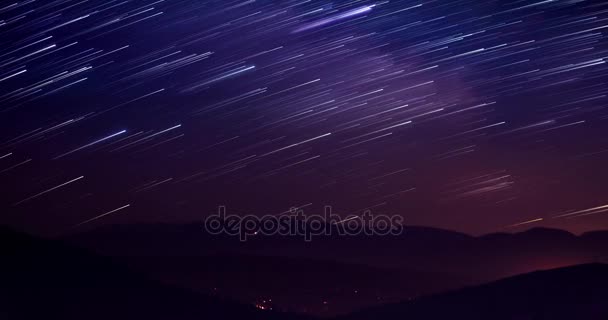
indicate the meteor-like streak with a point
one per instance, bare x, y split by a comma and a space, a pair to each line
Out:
102, 215
90, 144
584, 212
46, 191
524, 223
338, 17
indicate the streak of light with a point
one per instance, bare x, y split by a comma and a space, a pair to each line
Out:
101, 215
46, 191
90, 144
525, 222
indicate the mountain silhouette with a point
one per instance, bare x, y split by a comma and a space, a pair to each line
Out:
335, 274
180, 272
293, 284
51, 280
577, 292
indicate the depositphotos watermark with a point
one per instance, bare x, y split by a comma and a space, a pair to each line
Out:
296, 223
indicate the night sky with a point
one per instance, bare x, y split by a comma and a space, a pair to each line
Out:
476, 116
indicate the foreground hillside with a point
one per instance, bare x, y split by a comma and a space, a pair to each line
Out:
333, 275
50, 279
578, 292
42, 279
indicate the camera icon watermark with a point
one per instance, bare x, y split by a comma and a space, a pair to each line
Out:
307, 226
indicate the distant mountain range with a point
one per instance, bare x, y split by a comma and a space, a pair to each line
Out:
178, 272
44, 279
578, 292
335, 275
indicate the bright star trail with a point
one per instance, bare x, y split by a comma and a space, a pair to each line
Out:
468, 115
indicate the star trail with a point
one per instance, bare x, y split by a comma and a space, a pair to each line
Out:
476, 116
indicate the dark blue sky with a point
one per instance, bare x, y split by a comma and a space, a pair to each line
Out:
467, 115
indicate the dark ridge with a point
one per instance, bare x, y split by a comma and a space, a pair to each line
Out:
577, 292
47, 279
